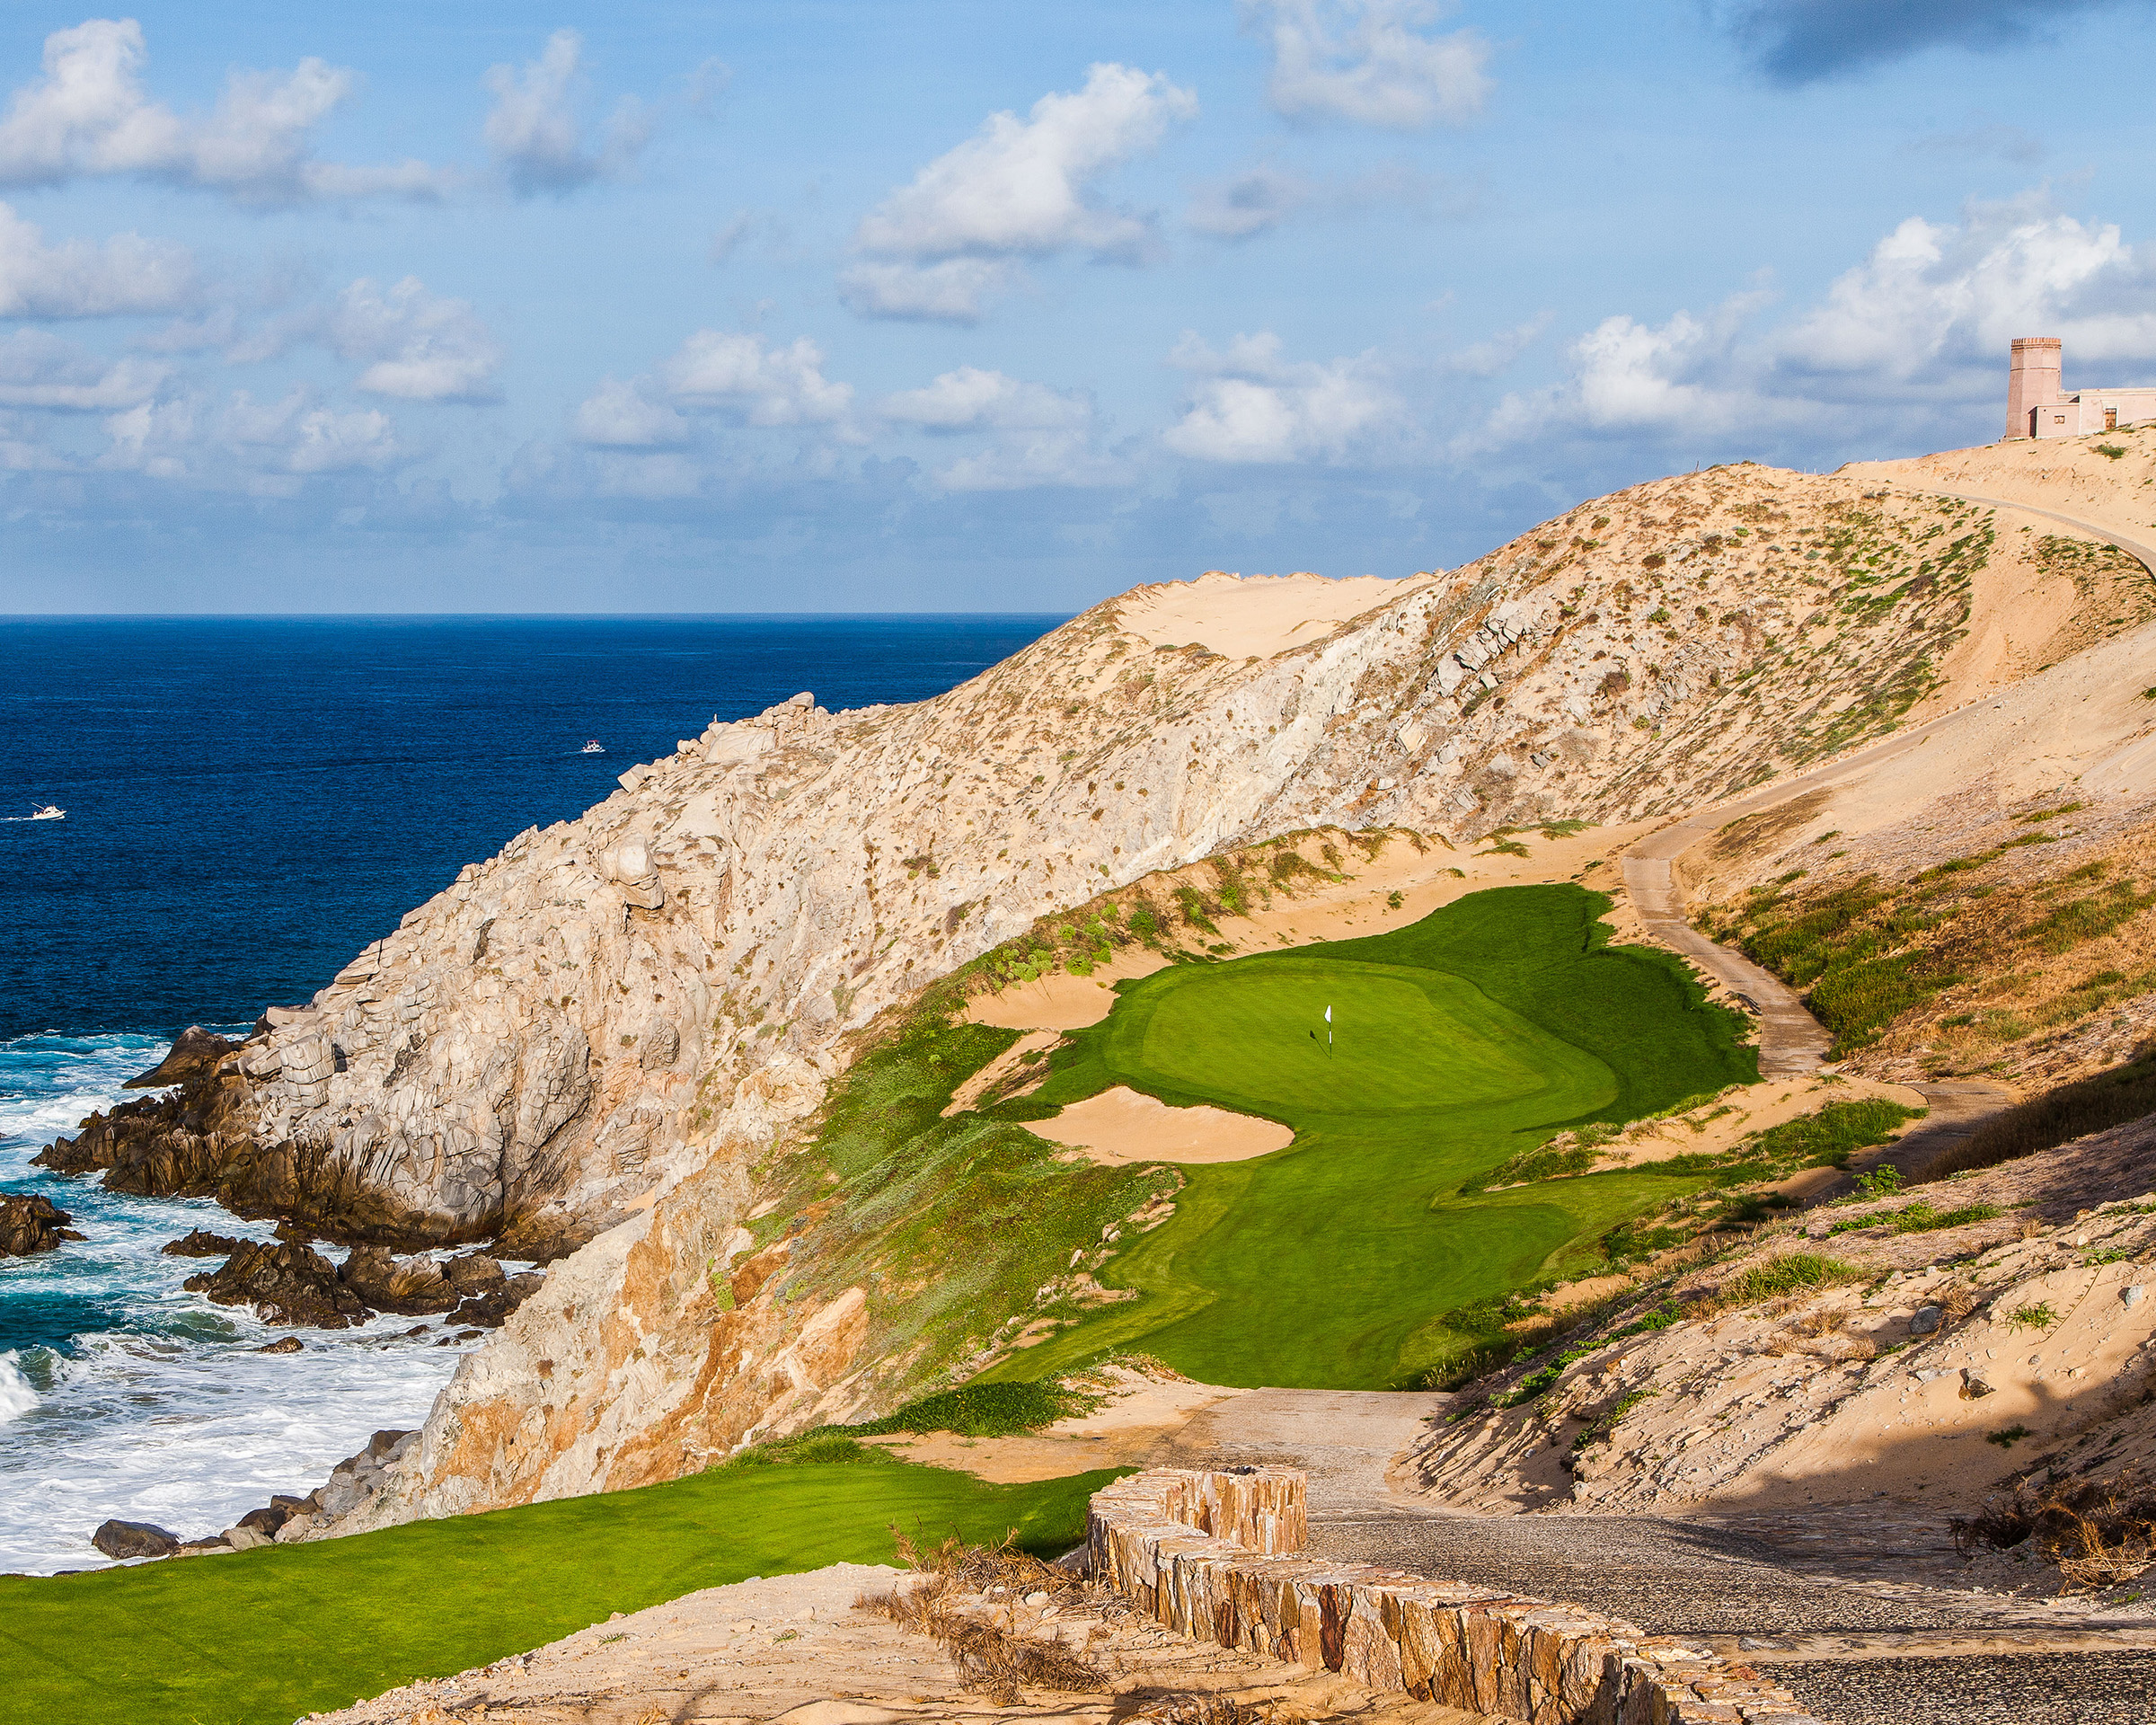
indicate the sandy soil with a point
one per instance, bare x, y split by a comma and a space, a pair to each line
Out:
1121, 1126
1251, 616
796, 1648
1135, 1425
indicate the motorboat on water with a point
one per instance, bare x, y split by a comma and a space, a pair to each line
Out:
48, 812
592, 748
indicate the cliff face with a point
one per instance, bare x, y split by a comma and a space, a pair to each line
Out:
601, 1034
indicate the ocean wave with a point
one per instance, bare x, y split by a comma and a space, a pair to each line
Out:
16, 1396
123, 1394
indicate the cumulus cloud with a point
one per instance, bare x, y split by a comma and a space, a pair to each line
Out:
41, 370
1037, 436
769, 387
87, 116
1372, 62
1919, 329
422, 347
972, 400
535, 134
1250, 404
1017, 188
1933, 295
81, 278
737, 377
267, 449
622, 416
1809, 41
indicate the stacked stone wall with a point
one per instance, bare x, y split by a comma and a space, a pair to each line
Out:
1211, 1555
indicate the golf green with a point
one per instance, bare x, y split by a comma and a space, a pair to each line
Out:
1454, 1044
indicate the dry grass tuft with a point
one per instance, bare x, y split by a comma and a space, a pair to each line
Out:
993, 1659
2099, 1534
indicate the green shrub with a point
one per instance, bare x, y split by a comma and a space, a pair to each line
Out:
980, 1411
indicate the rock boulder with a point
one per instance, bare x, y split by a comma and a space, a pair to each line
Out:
411, 1286
201, 1243
125, 1539
285, 1285
195, 1051
30, 1222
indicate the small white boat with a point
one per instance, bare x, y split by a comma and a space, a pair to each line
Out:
592, 748
49, 812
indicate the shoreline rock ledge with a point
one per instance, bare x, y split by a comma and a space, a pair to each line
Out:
31, 1222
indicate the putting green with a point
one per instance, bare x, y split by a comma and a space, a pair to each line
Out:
1458, 1042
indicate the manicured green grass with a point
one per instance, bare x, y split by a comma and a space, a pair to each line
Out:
1460, 1042
262, 1637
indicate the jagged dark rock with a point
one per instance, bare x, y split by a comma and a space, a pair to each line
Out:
283, 1345
201, 1243
285, 1285
474, 1273
125, 1539
195, 1143
194, 1052
409, 1286
29, 1222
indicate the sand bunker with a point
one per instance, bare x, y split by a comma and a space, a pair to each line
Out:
1253, 616
1120, 1126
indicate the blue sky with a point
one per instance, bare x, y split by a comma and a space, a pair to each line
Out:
916, 305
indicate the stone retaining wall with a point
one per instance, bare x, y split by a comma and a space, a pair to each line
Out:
1209, 1554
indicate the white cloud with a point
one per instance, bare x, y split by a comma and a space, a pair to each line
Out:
972, 400
1248, 204
424, 347
40, 370
767, 386
1931, 294
1031, 460
1017, 188
622, 416
81, 278
87, 116
1370, 62
1249, 404
1488, 357
535, 135
953, 291
265, 448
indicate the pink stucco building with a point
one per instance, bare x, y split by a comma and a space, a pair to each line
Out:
2036, 406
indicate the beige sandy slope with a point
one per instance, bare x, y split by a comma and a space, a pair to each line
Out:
1120, 1125
2067, 474
1251, 616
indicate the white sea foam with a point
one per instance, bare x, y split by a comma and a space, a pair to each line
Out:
16, 1397
123, 1394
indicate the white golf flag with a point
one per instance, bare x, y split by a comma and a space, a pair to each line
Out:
1328, 1015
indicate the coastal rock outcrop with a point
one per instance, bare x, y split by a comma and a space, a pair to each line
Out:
411, 1286
28, 1223
286, 1285
201, 1243
195, 1051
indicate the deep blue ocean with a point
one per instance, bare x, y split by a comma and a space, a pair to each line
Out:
248, 802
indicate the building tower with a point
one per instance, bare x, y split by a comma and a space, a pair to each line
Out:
2032, 379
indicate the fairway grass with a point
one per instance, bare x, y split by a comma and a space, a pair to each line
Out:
267, 1635
1457, 1042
